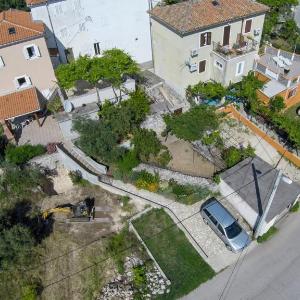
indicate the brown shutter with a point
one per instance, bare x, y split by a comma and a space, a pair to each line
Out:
208, 38
202, 65
202, 39
226, 35
248, 26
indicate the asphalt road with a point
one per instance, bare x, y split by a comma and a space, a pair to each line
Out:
270, 271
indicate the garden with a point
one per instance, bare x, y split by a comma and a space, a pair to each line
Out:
181, 263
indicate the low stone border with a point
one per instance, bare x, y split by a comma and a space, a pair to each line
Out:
131, 228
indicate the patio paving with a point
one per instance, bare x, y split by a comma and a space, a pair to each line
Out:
48, 133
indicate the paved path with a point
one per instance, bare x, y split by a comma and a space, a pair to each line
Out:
270, 271
290, 156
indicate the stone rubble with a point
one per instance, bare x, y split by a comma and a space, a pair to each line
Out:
122, 286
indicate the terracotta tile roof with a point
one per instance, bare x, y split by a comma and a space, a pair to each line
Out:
21, 21
193, 15
35, 2
19, 103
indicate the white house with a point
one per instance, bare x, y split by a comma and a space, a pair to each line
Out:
249, 186
87, 27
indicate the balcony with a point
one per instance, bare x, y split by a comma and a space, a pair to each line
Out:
237, 49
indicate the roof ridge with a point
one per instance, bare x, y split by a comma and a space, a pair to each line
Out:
22, 26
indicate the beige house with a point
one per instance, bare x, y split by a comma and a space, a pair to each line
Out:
26, 72
202, 40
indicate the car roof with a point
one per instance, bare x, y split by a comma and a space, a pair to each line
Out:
219, 212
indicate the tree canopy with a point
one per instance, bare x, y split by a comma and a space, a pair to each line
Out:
206, 90
112, 67
194, 124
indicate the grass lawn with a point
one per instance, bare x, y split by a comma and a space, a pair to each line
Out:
291, 112
176, 256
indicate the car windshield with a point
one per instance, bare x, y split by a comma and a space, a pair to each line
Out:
233, 230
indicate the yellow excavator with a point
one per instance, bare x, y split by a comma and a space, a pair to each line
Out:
46, 213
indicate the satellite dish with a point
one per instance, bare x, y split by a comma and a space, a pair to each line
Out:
68, 106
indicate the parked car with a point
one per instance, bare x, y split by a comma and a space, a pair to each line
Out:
224, 225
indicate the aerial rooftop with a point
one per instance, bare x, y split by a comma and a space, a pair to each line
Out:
17, 25
193, 15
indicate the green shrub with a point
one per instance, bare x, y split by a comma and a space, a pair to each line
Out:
76, 178
139, 276
233, 155
54, 105
21, 154
147, 181
164, 158
295, 207
216, 178
266, 236
127, 163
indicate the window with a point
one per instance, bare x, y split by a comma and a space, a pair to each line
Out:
292, 93
1, 62
31, 52
248, 26
221, 229
11, 30
233, 230
239, 68
202, 66
22, 82
205, 39
219, 65
226, 35
213, 220
207, 212
97, 48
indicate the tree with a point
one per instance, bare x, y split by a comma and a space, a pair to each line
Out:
98, 140
194, 124
146, 143
206, 90
16, 4
113, 67
277, 104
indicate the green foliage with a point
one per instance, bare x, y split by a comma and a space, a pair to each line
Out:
112, 67
126, 116
17, 184
213, 138
233, 155
146, 180
29, 292
146, 143
164, 158
54, 105
98, 140
188, 194
216, 178
20, 155
206, 90
295, 207
16, 4
139, 276
76, 178
277, 104
178, 259
247, 89
127, 163
16, 244
266, 236
194, 124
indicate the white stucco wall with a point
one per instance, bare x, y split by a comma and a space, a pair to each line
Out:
78, 24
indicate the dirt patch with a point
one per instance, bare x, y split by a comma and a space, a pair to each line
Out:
186, 160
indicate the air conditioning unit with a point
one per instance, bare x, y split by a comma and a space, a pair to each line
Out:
193, 68
257, 31
194, 52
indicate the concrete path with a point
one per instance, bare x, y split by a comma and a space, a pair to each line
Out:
270, 271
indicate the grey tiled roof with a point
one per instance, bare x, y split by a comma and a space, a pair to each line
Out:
241, 179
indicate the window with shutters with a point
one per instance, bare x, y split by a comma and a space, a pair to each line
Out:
22, 82
31, 52
202, 65
205, 39
248, 26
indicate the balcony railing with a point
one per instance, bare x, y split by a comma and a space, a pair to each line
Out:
235, 50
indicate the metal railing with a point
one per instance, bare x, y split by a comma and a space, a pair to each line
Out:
235, 50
